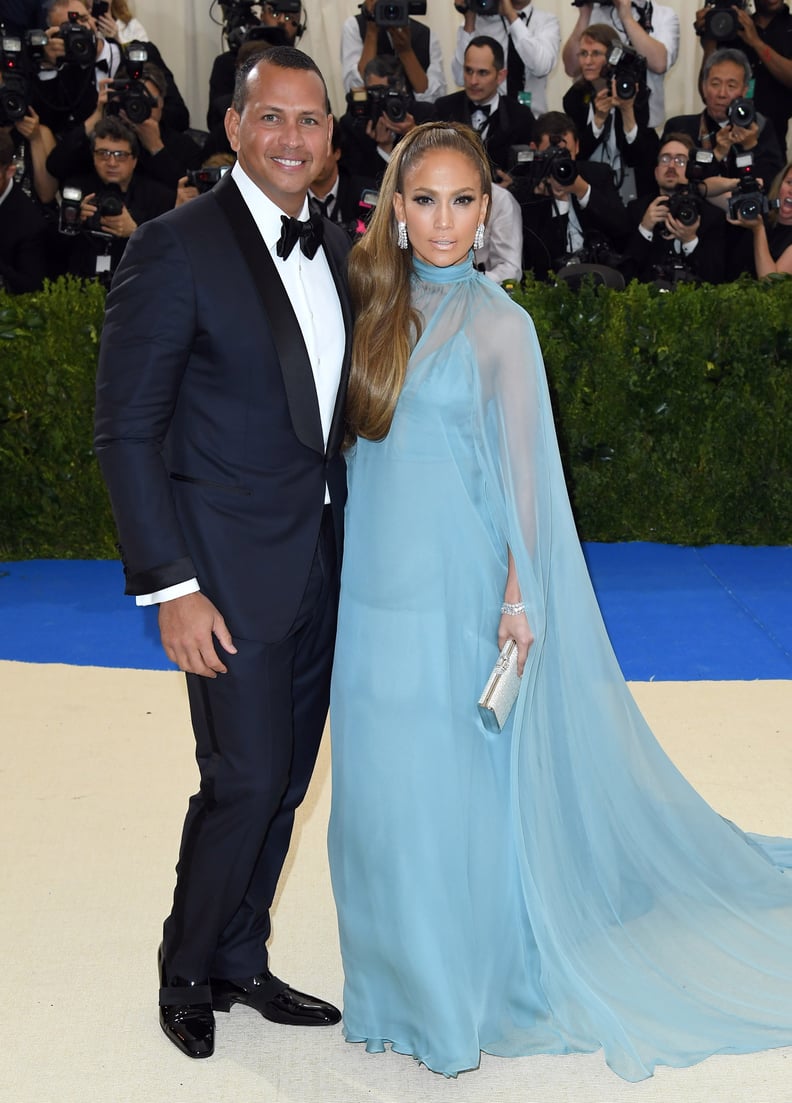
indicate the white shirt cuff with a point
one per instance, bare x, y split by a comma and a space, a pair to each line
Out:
169, 593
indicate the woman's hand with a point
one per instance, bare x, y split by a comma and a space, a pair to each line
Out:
516, 627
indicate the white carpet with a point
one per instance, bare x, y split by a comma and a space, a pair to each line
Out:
97, 768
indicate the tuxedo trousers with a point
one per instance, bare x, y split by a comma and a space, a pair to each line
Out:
257, 732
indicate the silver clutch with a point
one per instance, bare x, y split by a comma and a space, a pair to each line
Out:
500, 692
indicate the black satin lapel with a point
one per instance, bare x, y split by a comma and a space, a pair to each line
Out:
286, 333
337, 262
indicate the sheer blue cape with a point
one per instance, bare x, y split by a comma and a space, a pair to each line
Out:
559, 887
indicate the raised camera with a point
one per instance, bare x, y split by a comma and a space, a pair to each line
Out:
721, 22
748, 200
483, 7
130, 97
684, 205
79, 42
205, 179
741, 112
627, 69
396, 13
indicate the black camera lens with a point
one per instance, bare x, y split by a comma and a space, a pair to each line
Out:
749, 208
741, 112
562, 168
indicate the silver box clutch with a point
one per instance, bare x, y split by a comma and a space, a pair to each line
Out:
500, 692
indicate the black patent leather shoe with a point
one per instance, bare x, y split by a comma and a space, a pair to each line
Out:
273, 999
185, 1013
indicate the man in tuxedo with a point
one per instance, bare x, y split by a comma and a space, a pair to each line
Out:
219, 424
501, 122
25, 235
572, 214
667, 248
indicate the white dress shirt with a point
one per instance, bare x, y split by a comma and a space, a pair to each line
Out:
537, 39
352, 48
314, 299
501, 254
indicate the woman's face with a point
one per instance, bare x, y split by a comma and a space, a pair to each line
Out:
591, 56
785, 199
442, 204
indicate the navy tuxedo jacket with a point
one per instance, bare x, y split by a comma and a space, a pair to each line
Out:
207, 422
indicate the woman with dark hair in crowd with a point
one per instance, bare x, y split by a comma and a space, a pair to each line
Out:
772, 237
613, 128
555, 886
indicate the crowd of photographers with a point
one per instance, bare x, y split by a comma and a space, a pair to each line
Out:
95, 137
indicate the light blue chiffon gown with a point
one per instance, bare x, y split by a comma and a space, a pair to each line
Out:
559, 887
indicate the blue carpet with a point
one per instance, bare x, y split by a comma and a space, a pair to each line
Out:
673, 614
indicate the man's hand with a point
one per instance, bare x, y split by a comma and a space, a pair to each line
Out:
655, 213
119, 225
698, 24
189, 626
404, 127
677, 229
382, 133
148, 132
87, 207
55, 48
747, 30
401, 39
185, 192
728, 136
29, 125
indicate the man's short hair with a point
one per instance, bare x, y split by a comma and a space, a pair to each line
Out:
677, 136
6, 150
53, 5
554, 123
483, 42
115, 130
737, 57
285, 57
386, 68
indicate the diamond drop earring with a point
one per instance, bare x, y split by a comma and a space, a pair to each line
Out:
401, 240
478, 239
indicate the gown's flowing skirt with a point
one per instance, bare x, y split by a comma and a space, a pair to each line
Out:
558, 887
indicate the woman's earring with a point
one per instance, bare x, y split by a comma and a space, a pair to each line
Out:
401, 240
478, 239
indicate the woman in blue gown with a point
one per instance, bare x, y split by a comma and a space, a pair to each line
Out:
558, 887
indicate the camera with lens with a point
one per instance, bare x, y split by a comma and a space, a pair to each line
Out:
628, 69
741, 112
14, 91
79, 42
205, 179
99, 8
396, 13
483, 7
372, 103
69, 220
132, 97
536, 165
109, 202
749, 200
684, 205
721, 22
238, 20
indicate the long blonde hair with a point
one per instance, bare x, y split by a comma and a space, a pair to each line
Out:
119, 9
387, 325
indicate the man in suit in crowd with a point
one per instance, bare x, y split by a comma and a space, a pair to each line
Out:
219, 424
25, 235
667, 248
565, 218
500, 121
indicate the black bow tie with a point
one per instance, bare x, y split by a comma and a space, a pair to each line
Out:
484, 108
308, 233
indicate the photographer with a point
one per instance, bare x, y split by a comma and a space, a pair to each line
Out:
728, 125
677, 235
367, 130
766, 40
32, 142
115, 200
570, 208
610, 107
500, 121
76, 59
530, 39
652, 30
25, 237
165, 154
416, 46
772, 235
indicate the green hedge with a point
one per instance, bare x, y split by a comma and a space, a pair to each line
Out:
674, 413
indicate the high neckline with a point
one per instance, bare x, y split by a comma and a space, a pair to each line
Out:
454, 273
